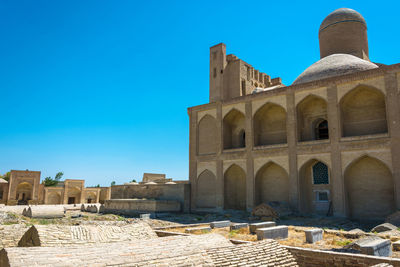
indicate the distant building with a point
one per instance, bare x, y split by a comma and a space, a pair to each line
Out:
24, 187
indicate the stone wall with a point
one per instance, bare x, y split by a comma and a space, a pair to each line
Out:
316, 258
134, 207
179, 192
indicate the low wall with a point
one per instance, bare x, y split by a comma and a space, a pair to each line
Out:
178, 192
316, 258
137, 206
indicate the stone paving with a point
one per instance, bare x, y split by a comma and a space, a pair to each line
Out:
63, 235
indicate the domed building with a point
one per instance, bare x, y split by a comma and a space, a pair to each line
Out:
328, 144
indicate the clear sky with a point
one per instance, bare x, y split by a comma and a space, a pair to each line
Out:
100, 89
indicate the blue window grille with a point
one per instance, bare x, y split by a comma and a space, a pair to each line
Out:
320, 173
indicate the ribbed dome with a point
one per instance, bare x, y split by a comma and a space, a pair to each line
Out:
334, 65
342, 15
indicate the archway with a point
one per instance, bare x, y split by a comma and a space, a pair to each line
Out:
207, 135
91, 197
24, 193
363, 112
315, 188
369, 188
272, 184
206, 190
311, 112
235, 188
270, 125
74, 195
54, 198
234, 130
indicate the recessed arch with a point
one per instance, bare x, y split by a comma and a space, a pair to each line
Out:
54, 198
369, 187
235, 188
269, 125
363, 112
24, 192
311, 111
315, 196
206, 190
272, 184
74, 195
234, 129
207, 135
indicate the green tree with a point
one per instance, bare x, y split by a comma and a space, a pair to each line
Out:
112, 183
133, 181
48, 181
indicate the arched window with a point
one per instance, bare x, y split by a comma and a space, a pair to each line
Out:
321, 130
320, 173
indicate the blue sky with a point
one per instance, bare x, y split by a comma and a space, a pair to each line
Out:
100, 89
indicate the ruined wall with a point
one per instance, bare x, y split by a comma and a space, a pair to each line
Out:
179, 192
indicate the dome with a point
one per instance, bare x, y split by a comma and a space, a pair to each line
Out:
342, 15
2, 181
334, 65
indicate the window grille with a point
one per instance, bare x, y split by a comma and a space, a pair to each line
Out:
320, 173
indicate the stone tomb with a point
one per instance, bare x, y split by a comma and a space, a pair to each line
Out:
313, 235
378, 247
254, 226
276, 232
220, 224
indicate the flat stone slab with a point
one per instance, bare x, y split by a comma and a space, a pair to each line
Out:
381, 248
313, 235
220, 224
254, 226
275, 232
201, 229
238, 226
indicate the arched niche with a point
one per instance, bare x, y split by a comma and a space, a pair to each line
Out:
234, 130
312, 119
363, 112
369, 187
74, 195
272, 184
235, 188
270, 125
207, 135
206, 190
54, 198
315, 188
24, 192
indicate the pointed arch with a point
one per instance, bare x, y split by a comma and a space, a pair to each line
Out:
269, 124
207, 135
234, 129
235, 188
272, 184
363, 112
54, 198
369, 187
311, 112
206, 190
313, 186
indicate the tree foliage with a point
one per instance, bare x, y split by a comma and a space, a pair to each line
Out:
48, 181
112, 183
